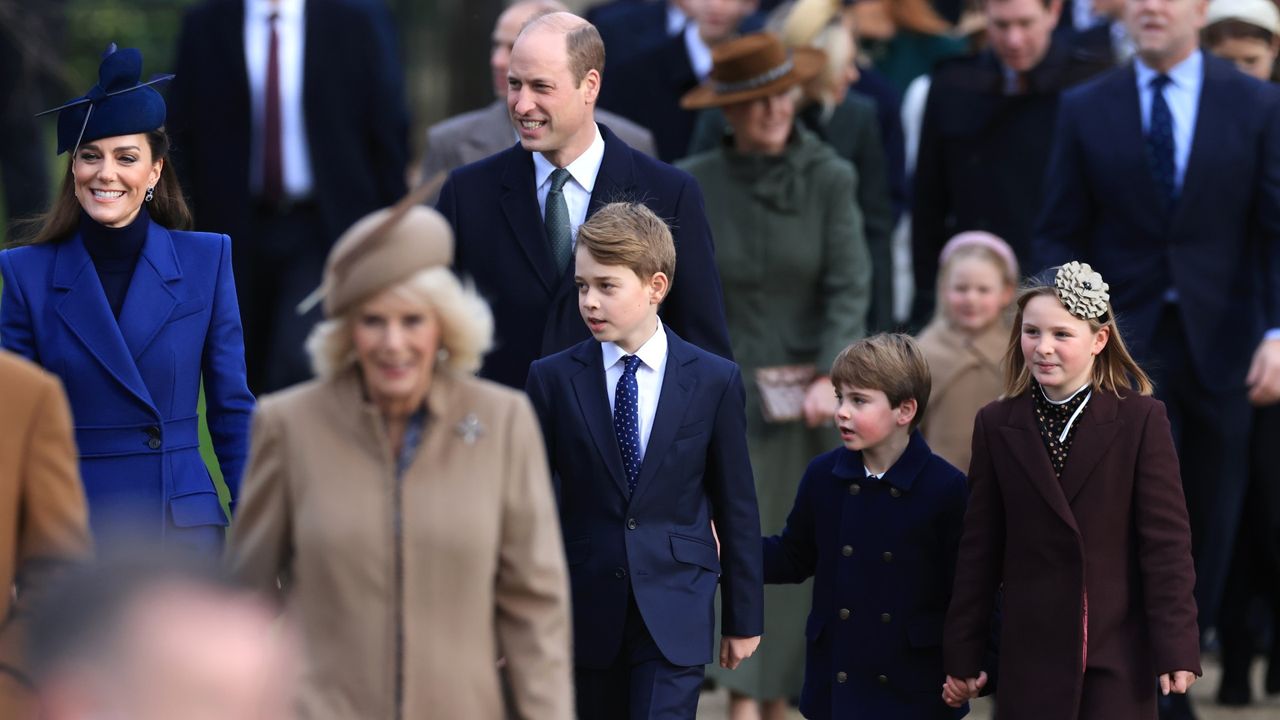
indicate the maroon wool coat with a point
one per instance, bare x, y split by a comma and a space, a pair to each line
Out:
1119, 504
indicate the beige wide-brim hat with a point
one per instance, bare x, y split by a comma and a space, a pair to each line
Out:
750, 67
1260, 13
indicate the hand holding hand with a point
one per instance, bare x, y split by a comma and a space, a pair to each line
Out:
819, 402
1177, 682
957, 691
1264, 374
733, 650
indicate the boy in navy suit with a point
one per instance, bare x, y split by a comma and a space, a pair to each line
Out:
876, 524
646, 435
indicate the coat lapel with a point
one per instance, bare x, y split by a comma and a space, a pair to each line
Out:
1125, 121
1097, 430
520, 206
590, 388
149, 301
1210, 124
1022, 435
677, 387
83, 307
616, 179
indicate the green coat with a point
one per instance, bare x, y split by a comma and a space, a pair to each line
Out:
796, 275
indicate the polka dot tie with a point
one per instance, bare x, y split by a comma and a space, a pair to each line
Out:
556, 219
1160, 151
626, 420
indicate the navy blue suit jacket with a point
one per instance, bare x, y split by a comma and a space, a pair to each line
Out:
629, 28
502, 245
133, 383
879, 605
1219, 248
658, 542
352, 100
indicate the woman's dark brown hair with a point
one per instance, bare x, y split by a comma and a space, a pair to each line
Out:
167, 206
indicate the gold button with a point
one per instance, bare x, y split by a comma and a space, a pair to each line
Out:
847, 550
882, 679
854, 489
895, 492
841, 677
885, 618
844, 613
888, 557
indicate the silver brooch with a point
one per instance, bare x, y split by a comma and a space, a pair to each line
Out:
471, 429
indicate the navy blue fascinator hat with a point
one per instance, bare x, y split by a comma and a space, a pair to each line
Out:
118, 105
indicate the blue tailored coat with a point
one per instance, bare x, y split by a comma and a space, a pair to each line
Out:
882, 556
656, 544
133, 383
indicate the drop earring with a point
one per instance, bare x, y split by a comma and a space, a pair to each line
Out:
151, 192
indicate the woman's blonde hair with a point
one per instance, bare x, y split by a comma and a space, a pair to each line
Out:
1113, 368
466, 325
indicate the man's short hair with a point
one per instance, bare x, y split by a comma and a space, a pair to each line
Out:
583, 43
889, 362
630, 234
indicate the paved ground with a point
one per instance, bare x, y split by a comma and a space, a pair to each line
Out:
713, 704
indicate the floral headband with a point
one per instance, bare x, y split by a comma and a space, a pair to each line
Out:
1082, 291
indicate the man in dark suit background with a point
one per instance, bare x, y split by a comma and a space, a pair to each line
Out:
514, 222
631, 27
289, 124
471, 136
985, 139
1165, 176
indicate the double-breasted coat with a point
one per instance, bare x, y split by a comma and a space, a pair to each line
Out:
882, 554
1112, 533
43, 519
134, 381
966, 376
406, 590
797, 280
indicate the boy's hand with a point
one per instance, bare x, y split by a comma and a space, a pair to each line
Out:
1264, 374
957, 691
733, 650
819, 402
1177, 682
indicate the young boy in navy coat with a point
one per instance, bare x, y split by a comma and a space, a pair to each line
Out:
646, 435
876, 523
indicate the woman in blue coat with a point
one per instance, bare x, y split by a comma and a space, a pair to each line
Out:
132, 315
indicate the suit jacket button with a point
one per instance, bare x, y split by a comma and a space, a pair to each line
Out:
154, 443
847, 550
854, 489
620, 573
882, 679
153, 437
885, 618
631, 523
888, 557
895, 492
844, 613
842, 676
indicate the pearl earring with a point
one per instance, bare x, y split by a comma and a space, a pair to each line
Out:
151, 192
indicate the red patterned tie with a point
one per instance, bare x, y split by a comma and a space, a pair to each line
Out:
272, 165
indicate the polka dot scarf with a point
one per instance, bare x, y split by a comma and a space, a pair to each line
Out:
1058, 422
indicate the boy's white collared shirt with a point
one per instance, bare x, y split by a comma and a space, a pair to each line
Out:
653, 368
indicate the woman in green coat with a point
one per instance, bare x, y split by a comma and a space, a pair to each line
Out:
796, 275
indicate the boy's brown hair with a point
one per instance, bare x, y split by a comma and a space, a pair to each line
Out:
889, 362
630, 234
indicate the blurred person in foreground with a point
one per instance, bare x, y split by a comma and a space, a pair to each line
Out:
402, 507
160, 638
44, 523
797, 280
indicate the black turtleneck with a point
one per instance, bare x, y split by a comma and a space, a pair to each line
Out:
115, 253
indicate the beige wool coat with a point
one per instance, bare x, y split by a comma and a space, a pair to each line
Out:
407, 592
966, 376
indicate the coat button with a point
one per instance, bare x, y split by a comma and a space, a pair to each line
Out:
882, 679
154, 443
153, 437
620, 573
888, 557
844, 613
895, 492
885, 618
854, 489
847, 550
842, 676
631, 523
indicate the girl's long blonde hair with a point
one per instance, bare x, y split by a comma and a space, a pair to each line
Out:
1113, 369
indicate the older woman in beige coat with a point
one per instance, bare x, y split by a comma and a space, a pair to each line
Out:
402, 505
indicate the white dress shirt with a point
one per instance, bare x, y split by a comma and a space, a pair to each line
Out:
699, 52
1182, 94
676, 19
291, 33
653, 367
577, 192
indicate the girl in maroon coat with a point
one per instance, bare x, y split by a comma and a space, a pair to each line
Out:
1076, 509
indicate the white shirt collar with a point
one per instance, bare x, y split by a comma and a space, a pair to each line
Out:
676, 19
583, 170
699, 52
652, 353
287, 9
1065, 400
1186, 74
